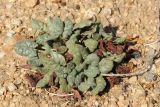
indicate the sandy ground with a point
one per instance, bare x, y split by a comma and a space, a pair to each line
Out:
127, 17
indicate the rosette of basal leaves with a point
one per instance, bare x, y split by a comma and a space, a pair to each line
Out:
55, 39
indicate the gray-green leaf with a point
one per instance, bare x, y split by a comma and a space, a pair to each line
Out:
68, 28
82, 24
71, 77
101, 84
75, 51
92, 71
105, 65
45, 80
119, 40
91, 44
58, 58
38, 27
26, 48
119, 58
55, 26
41, 39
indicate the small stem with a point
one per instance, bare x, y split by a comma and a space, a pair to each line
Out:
142, 71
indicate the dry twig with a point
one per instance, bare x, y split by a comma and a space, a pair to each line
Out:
59, 95
142, 71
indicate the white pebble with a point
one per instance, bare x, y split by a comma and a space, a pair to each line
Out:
2, 54
31, 3
2, 90
11, 87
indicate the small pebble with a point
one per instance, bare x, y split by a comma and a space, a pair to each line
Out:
31, 3
2, 54
11, 87
157, 90
10, 33
2, 90
133, 79
150, 76
96, 104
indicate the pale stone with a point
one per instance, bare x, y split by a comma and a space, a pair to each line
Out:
31, 3
11, 87
2, 90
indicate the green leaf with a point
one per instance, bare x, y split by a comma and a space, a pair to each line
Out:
92, 59
100, 85
82, 24
92, 71
63, 85
41, 39
84, 52
105, 65
55, 26
96, 36
26, 48
68, 28
83, 87
91, 82
119, 58
75, 35
75, 51
38, 27
79, 78
107, 36
59, 70
58, 58
119, 40
91, 44
71, 77
34, 62
61, 49
45, 80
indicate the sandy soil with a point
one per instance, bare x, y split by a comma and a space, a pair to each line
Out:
127, 17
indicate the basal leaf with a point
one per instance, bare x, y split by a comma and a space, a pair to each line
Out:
84, 52
26, 48
92, 71
75, 35
61, 49
34, 61
74, 50
82, 24
92, 59
38, 27
71, 77
107, 36
100, 85
55, 26
45, 80
58, 58
83, 87
105, 65
91, 44
41, 39
91, 82
68, 28
64, 86
79, 78
119, 40
119, 58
